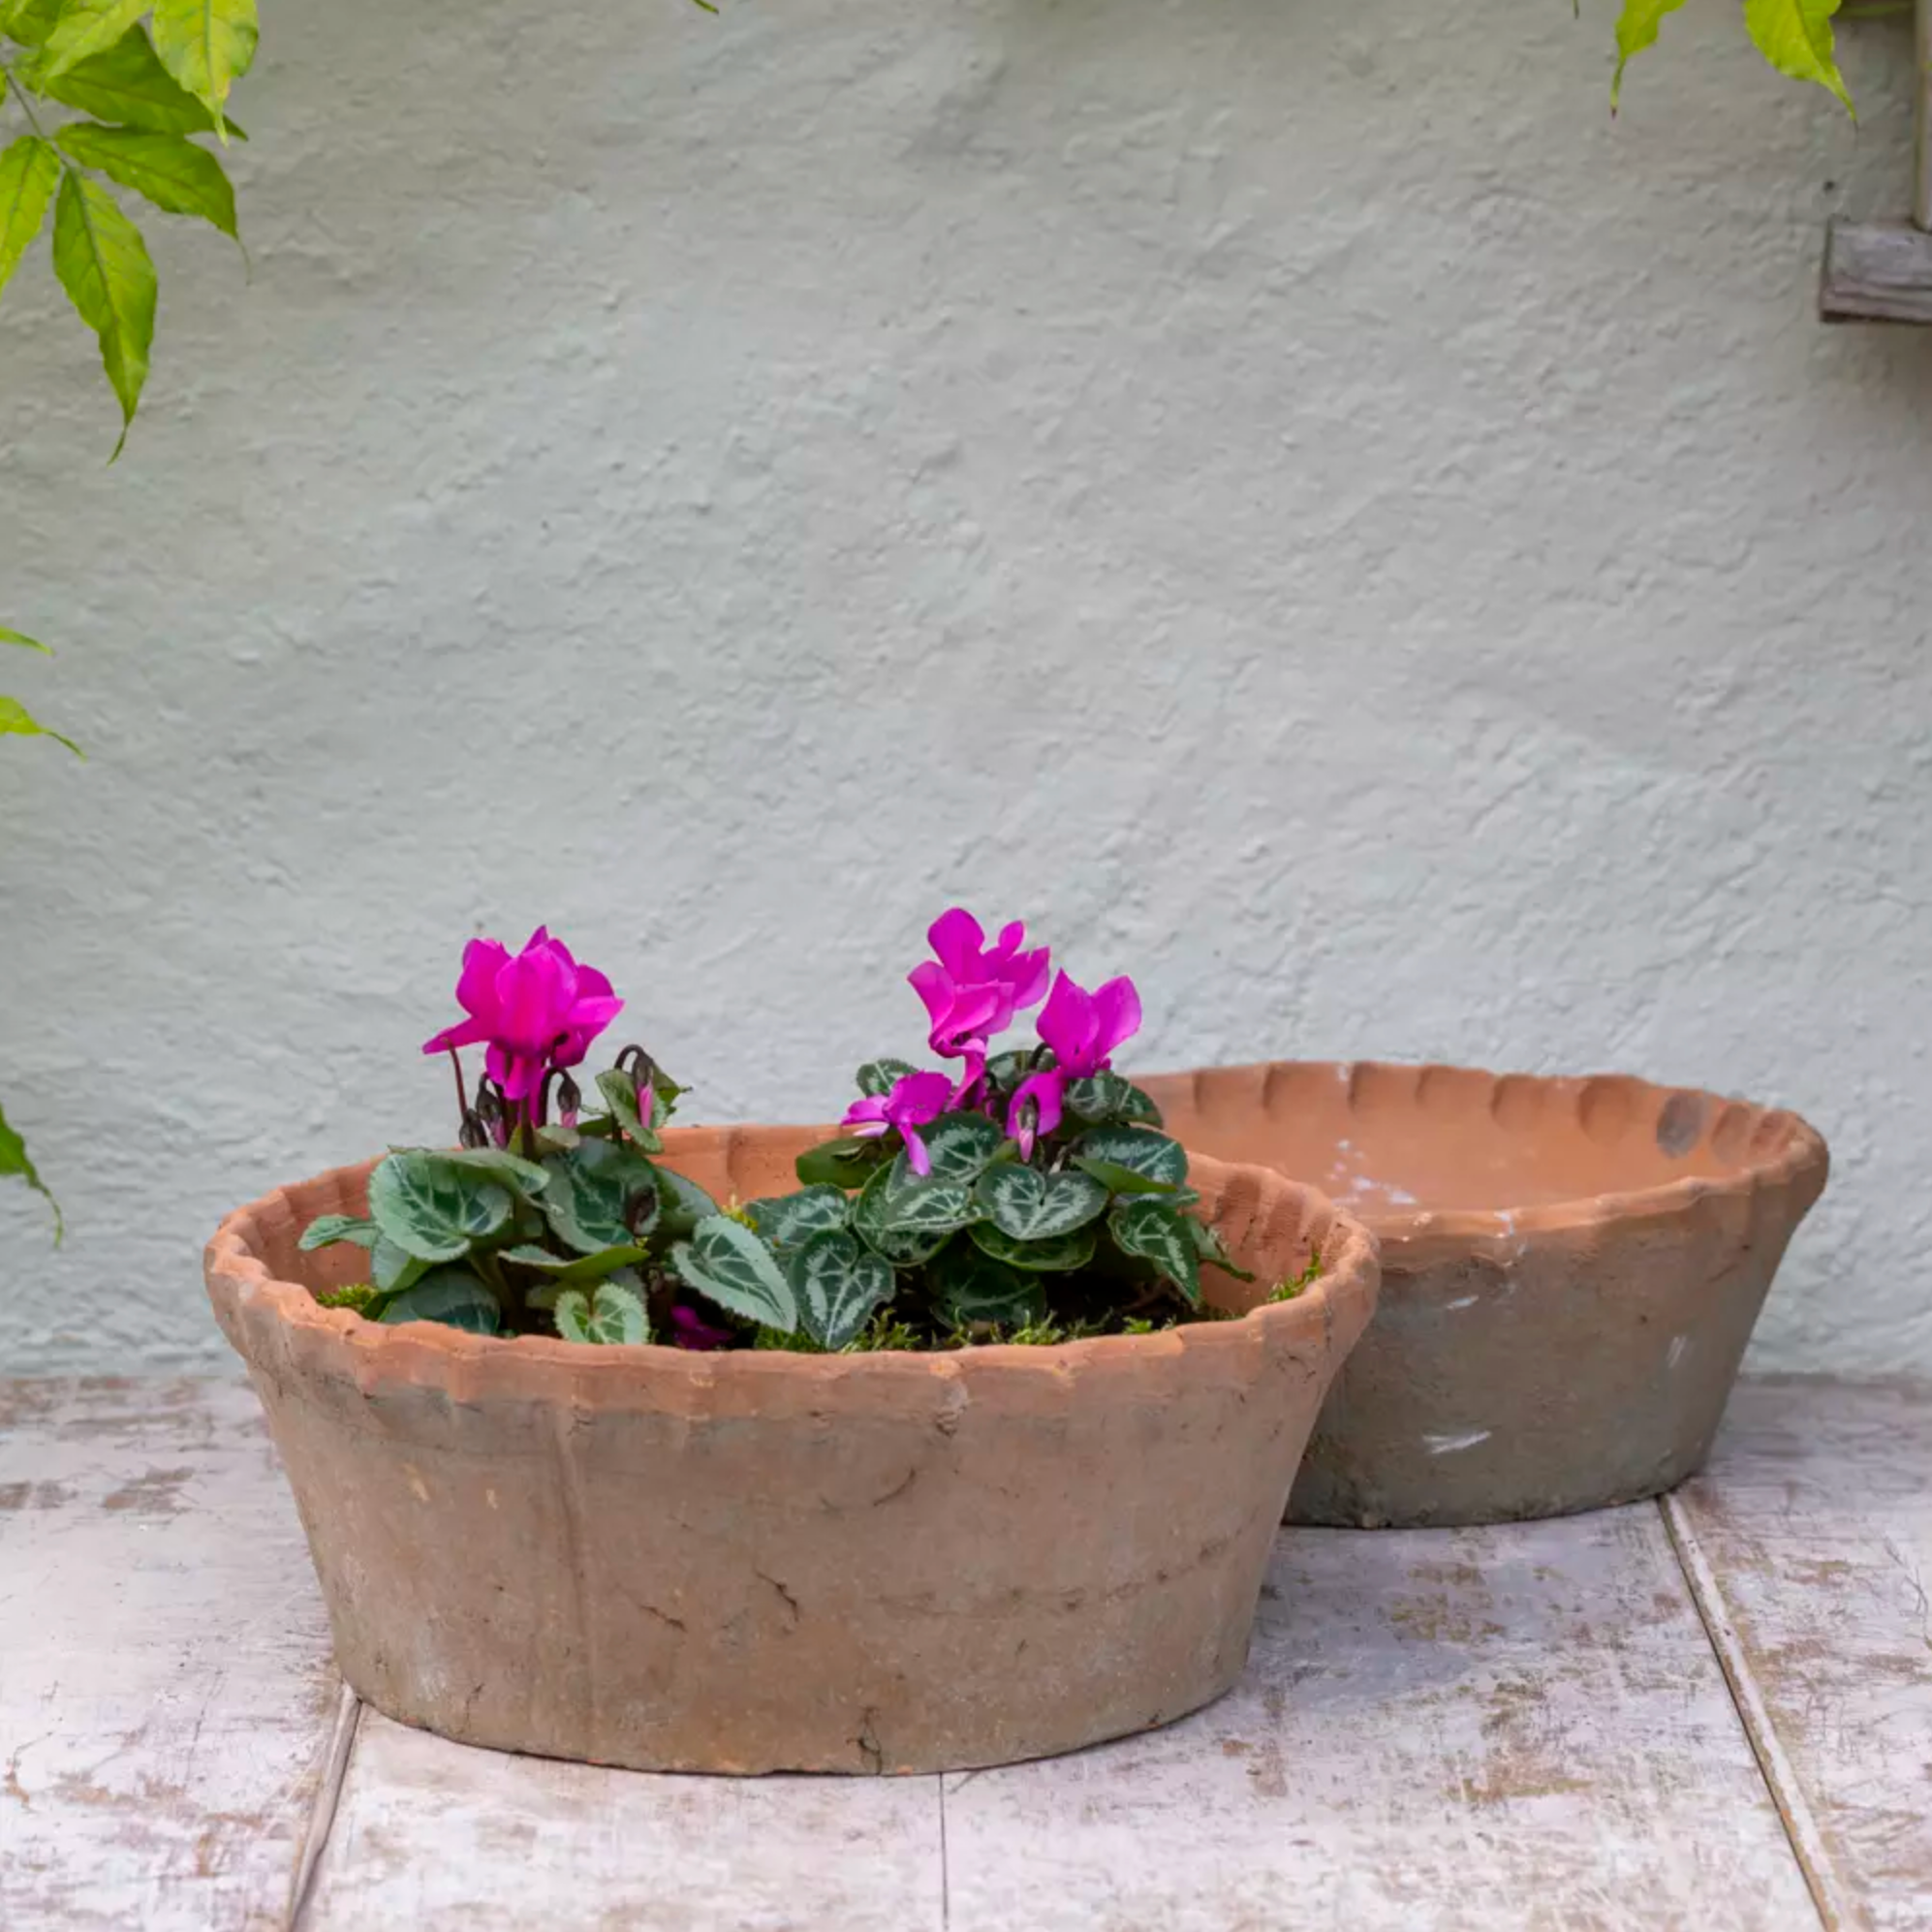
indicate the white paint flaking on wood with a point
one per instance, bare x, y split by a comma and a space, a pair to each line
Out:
1812, 1524
1679, 1347
165, 1695
1450, 1444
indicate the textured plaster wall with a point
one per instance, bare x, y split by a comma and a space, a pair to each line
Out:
1291, 497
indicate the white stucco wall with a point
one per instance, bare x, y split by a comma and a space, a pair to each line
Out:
1292, 498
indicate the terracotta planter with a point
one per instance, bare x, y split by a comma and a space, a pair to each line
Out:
754, 1562
1572, 1269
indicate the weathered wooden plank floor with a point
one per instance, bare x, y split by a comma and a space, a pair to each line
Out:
1715, 1713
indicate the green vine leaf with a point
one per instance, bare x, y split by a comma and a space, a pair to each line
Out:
103, 265
17, 721
29, 174
1795, 36
206, 45
26, 643
14, 1163
178, 177
128, 85
1637, 29
86, 27
29, 21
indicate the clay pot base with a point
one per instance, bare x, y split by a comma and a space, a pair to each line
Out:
762, 1561
1571, 1270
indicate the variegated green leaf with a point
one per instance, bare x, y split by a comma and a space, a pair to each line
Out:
1032, 1206
621, 1096
1208, 1243
454, 1296
600, 1194
1156, 1232
326, 1230
610, 1314
206, 45
837, 1285
103, 265
393, 1269
430, 1207
523, 1179
1131, 1159
684, 1205
971, 1287
178, 177
572, 1269
906, 1232
847, 1162
1107, 1098
728, 1264
878, 1077
787, 1220
961, 1146
29, 174
1795, 36
1058, 1254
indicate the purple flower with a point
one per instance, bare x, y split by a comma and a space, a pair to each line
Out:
537, 1011
689, 1329
916, 1101
972, 990
1082, 1029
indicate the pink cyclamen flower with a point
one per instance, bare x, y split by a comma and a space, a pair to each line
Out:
1082, 1029
916, 1101
689, 1329
972, 990
536, 1011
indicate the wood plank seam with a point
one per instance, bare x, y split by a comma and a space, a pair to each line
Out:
944, 1861
336, 1754
1837, 1910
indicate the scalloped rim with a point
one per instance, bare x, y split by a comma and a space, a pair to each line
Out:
1783, 1152
429, 1354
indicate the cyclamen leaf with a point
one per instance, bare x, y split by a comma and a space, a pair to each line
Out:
1637, 29
972, 1286
620, 1096
729, 1264
206, 45
178, 177
961, 1146
878, 1077
1157, 1232
1210, 1247
14, 1163
847, 1162
86, 27
787, 1220
25, 642
1106, 1096
326, 1230
17, 721
1032, 1206
128, 85
600, 1194
29, 173
1058, 1254
910, 1205
580, 1267
523, 1179
683, 1205
103, 265
837, 1285
1131, 1159
1795, 36
392, 1268
610, 1314
430, 1207
454, 1296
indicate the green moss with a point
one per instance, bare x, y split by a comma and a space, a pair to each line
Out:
1287, 1290
356, 1295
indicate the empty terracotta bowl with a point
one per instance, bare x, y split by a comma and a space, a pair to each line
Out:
1570, 1272
757, 1560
